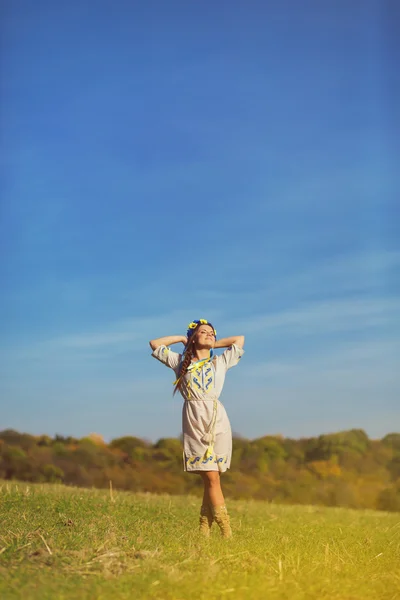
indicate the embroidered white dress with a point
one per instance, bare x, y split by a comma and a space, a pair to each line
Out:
207, 435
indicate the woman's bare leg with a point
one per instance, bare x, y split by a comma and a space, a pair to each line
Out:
212, 488
206, 497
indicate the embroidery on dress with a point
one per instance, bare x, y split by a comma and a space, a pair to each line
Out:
214, 458
203, 378
209, 379
197, 382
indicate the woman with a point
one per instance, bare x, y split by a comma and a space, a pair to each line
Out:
207, 435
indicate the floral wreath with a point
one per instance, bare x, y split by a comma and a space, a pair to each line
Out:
192, 326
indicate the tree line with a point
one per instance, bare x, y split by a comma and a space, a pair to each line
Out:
341, 469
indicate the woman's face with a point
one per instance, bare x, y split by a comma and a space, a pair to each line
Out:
205, 337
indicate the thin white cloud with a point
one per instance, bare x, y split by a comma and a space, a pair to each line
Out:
333, 277
326, 317
344, 275
95, 340
122, 335
342, 315
372, 362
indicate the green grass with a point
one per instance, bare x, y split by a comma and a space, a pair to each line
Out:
58, 542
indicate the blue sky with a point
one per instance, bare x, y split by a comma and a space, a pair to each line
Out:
165, 161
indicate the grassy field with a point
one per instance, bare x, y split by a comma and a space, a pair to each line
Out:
58, 542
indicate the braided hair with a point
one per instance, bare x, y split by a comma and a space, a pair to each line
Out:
187, 359
188, 352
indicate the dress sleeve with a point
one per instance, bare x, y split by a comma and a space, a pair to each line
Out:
231, 356
167, 357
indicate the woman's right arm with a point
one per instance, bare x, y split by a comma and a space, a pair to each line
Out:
167, 341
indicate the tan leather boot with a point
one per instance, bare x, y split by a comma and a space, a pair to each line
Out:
221, 517
206, 520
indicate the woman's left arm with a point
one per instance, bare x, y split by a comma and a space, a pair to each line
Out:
238, 340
